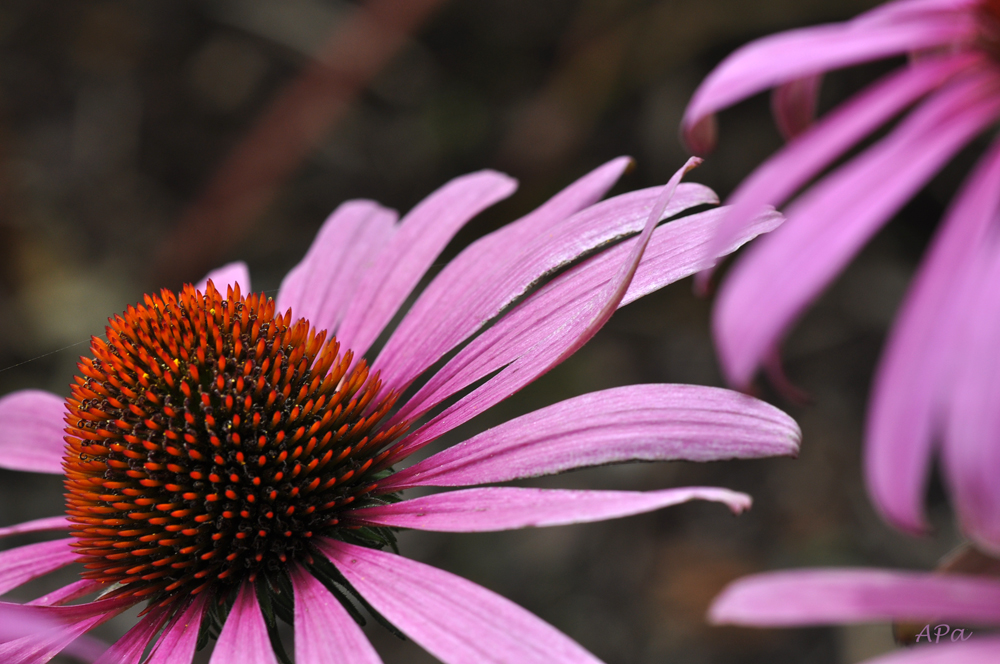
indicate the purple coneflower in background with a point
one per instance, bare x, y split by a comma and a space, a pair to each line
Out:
229, 465
948, 93
938, 378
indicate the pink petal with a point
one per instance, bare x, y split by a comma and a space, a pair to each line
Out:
320, 287
971, 454
801, 160
793, 105
38, 525
226, 276
818, 597
558, 342
20, 565
914, 373
422, 235
977, 651
774, 281
477, 284
796, 54
453, 619
31, 432
509, 508
177, 643
68, 593
675, 251
324, 632
634, 423
130, 647
244, 638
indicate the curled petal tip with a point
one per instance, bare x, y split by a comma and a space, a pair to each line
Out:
699, 136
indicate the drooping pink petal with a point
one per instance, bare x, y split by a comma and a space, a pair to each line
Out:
914, 373
422, 235
20, 565
633, 423
37, 525
180, 637
509, 508
129, 648
909, 9
774, 181
979, 650
31, 432
795, 54
589, 229
320, 287
244, 637
453, 619
828, 596
793, 105
226, 276
675, 251
466, 294
773, 282
324, 632
559, 343
971, 454
68, 593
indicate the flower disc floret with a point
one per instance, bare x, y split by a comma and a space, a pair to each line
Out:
209, 440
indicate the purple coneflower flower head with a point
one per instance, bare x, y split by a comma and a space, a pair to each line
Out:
937, 377
232, 460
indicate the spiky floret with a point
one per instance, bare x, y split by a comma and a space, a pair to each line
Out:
208, 440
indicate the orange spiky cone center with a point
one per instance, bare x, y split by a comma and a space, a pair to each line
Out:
209, 440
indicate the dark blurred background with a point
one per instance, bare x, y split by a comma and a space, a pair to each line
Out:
145, 142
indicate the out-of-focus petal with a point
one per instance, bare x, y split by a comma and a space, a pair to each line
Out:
226, 276
795, 54
633, 423
31, 432
177, 643
558, 343
129, 648
793, 105
38, 525
324, 632
453, 619
774, 281
826, 596
915, 371
479, 282
20, 565
509, 508
774, 181
971, 452
422, 235
320, 287
244, 638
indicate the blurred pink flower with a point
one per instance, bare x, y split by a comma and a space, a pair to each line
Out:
938, 378
229, 466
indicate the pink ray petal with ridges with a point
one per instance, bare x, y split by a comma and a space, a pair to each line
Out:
774, 281
68, 593
914, 376
31, 432
465, 295
794, 54
180, 637
320, 287
496, 508
774, 181
129, 648
244, 638
559, 343
20, 565
226, 276
421, 236
828, 596
37, 525
633, 423
324, 632
454, 619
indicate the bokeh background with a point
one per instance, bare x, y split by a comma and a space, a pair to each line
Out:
143, 142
